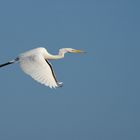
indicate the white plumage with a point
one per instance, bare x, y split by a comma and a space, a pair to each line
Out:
35, 64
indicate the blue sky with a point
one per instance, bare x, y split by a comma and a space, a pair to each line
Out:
100, 96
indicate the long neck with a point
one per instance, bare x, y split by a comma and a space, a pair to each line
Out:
59, 56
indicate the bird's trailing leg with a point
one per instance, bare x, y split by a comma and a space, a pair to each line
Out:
10, 62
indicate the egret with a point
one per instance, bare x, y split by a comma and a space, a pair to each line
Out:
35, 63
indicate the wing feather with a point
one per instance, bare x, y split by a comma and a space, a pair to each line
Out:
39, 70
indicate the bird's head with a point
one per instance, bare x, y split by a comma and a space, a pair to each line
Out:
70, 50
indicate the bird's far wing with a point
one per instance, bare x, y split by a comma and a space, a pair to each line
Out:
39, 70
60, 84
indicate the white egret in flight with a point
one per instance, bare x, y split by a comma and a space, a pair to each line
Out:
35, 64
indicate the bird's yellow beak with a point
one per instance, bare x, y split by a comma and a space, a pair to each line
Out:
78, 51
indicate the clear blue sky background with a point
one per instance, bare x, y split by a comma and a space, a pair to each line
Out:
101, 92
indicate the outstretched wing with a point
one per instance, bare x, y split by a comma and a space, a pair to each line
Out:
39, 69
